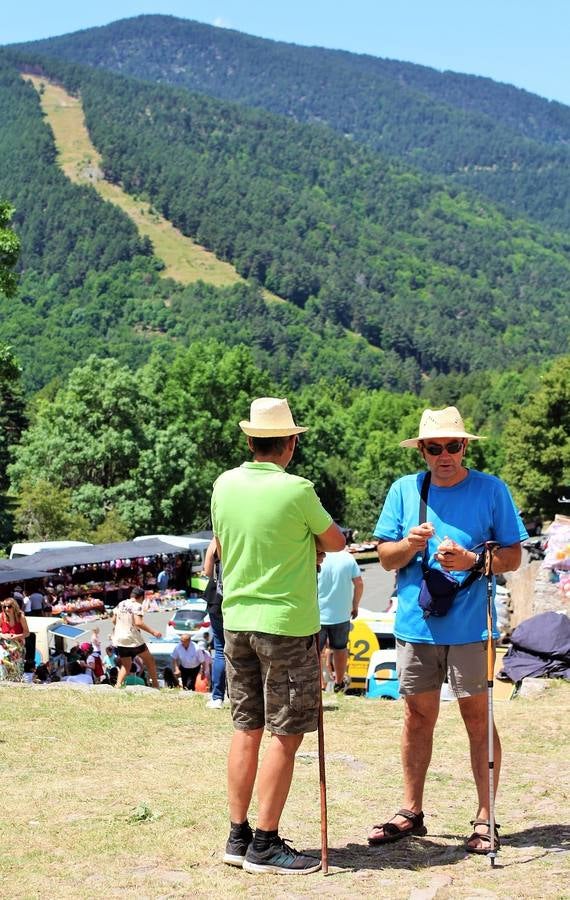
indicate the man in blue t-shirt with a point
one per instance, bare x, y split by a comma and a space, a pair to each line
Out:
340, 588
464, 509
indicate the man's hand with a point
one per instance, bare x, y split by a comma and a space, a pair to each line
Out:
320, 558
419, 535
453, 557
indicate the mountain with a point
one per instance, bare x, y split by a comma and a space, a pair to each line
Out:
505, 143
89, 284
428, 279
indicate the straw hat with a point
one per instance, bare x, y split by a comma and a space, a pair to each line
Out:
270, 417
441, 423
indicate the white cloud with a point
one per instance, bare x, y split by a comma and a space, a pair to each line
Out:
220, 22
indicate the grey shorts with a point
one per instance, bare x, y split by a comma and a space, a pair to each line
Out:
273, 681
424, 667
337, 635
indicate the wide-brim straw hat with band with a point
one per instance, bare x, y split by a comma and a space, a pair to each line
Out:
441, 423
270, 417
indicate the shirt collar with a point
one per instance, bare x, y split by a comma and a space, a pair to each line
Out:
269, 466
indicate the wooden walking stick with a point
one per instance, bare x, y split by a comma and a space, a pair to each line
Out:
489, 550
322, 774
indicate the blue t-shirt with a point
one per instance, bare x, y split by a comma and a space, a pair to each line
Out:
336, 588
478, 509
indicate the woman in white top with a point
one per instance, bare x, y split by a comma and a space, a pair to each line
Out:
128, 639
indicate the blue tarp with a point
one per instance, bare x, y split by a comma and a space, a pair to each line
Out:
67, 631
540, 647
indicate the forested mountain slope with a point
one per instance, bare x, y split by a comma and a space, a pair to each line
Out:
503, 142
440, 279
436, 280
90, 285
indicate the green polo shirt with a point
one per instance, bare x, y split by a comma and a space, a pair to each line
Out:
265, 521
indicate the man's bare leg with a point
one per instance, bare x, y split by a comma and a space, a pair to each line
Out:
150, 665
242, 769
340, 659
475, 712
420, 715
125, 663
275, 777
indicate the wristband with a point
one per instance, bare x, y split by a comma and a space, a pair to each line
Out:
479, 563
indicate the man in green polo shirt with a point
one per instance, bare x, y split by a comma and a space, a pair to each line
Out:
269, 526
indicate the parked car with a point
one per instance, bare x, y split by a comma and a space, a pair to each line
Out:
536, 547
193, 619
533, 524
162, 649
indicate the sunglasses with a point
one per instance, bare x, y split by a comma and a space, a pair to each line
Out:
437, 449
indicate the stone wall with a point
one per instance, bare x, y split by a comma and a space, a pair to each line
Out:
532, 592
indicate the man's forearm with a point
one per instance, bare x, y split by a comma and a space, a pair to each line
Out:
396, 554
507, 559
358, 591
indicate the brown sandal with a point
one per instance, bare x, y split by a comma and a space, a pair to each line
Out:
482, 837
393, 832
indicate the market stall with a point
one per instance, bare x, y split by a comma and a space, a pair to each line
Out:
83, 582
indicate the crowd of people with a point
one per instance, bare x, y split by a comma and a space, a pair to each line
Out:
126, 659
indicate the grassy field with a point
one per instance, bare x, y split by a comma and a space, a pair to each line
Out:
185, 261
108, 794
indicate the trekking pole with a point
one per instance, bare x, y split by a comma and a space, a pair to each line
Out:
490, 547
322, 773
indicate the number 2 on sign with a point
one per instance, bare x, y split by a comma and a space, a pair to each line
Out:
362, 655
362, 642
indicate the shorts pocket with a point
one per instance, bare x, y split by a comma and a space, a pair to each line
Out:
304, 688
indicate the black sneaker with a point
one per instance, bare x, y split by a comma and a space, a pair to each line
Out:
238, 842
280, 859
340, 688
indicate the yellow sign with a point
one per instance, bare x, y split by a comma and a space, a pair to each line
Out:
362, 642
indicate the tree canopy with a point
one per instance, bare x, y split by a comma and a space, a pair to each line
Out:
537, 444
9, 250
116, 451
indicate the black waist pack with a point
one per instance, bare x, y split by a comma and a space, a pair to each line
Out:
437, 592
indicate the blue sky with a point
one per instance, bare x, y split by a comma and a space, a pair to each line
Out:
522, 42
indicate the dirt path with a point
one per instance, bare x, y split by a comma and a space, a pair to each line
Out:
185, 261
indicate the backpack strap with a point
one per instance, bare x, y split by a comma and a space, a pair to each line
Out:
424, 497
424, 493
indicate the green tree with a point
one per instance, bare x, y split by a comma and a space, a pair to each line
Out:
12, 423
112, 528
199, 399
9, 251
43, 512
88, 439
537, 444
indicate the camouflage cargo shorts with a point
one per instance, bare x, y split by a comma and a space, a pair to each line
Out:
273, 681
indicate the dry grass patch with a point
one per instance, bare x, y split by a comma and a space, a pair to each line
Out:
110, 793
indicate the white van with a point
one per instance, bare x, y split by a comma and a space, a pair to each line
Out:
26, 548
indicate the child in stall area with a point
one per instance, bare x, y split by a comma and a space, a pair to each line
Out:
110, 659
96, 640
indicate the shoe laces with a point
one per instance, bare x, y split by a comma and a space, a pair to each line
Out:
285, 846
